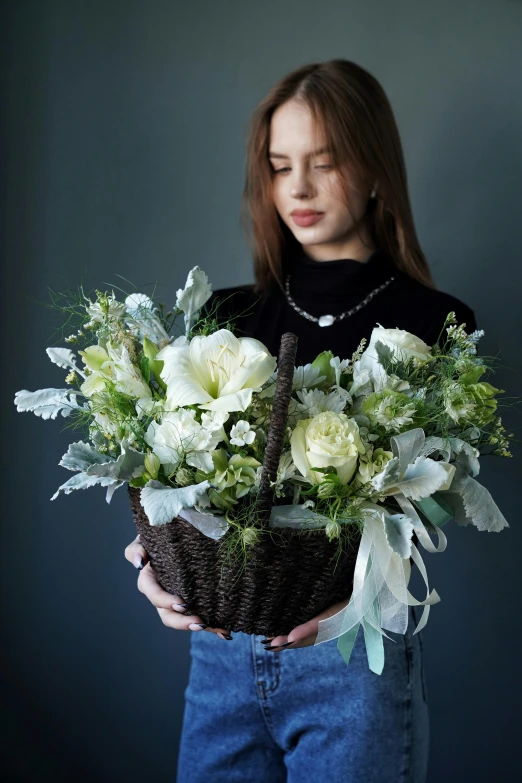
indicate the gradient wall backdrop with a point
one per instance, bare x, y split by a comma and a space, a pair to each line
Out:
123, 153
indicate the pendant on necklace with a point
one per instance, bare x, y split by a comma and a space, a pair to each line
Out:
326, 320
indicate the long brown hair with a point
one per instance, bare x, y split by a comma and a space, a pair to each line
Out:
356, 117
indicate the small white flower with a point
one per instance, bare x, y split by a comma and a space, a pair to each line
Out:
306, 376
391, 416
241, 434
339, 366
214, 420
98, 314
285, 471
314, 401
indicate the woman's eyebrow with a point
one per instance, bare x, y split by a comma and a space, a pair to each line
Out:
320, 151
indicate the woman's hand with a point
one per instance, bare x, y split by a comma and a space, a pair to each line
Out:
304, 635
169, 606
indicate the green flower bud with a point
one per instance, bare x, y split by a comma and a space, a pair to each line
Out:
325, 489
332, 530
152, 465
150, 350
183, 477
322, 363
140, 481
250, 535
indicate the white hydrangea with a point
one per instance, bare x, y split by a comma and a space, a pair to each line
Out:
179, 435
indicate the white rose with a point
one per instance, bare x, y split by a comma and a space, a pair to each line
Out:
403, 344
330, 438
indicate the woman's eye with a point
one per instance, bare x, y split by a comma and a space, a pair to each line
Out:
287, 168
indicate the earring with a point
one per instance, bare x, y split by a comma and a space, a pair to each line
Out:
372, 194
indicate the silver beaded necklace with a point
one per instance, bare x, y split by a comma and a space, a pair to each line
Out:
328, 320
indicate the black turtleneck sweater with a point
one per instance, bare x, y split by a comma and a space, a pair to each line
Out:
331, 287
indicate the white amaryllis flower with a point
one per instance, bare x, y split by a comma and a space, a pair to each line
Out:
217, 372
329, 439
241, 434
179, 435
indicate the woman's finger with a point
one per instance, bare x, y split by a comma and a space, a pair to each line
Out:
136, 553
170, 607
148, 585
193, 623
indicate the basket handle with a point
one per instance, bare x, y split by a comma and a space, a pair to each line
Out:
276, 428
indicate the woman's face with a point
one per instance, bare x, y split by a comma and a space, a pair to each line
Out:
306, 180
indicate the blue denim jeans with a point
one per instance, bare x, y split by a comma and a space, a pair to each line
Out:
302, 714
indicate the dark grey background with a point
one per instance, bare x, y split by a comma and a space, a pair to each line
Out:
123, 153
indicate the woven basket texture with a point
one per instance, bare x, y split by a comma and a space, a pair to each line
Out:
287, 579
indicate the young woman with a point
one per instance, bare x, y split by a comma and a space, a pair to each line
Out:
335, 253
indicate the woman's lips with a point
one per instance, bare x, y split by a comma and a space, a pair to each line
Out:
307, 220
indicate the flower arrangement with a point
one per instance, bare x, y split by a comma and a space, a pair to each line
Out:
380, 449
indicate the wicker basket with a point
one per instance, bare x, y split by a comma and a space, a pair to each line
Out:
287, 579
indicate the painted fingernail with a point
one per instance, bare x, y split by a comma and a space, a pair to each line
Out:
266, 641
179, 607
197, 626
225, 636
138, 561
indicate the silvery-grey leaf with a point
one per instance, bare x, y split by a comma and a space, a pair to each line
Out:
407, 446
64, 358
47, 403
421, 479
473, 504
80, 456
111, 489
130, 464
399, 529
296, 516
450, 447
211, 525
82, 481
389, 477
201, 460
162, 504
434, 443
